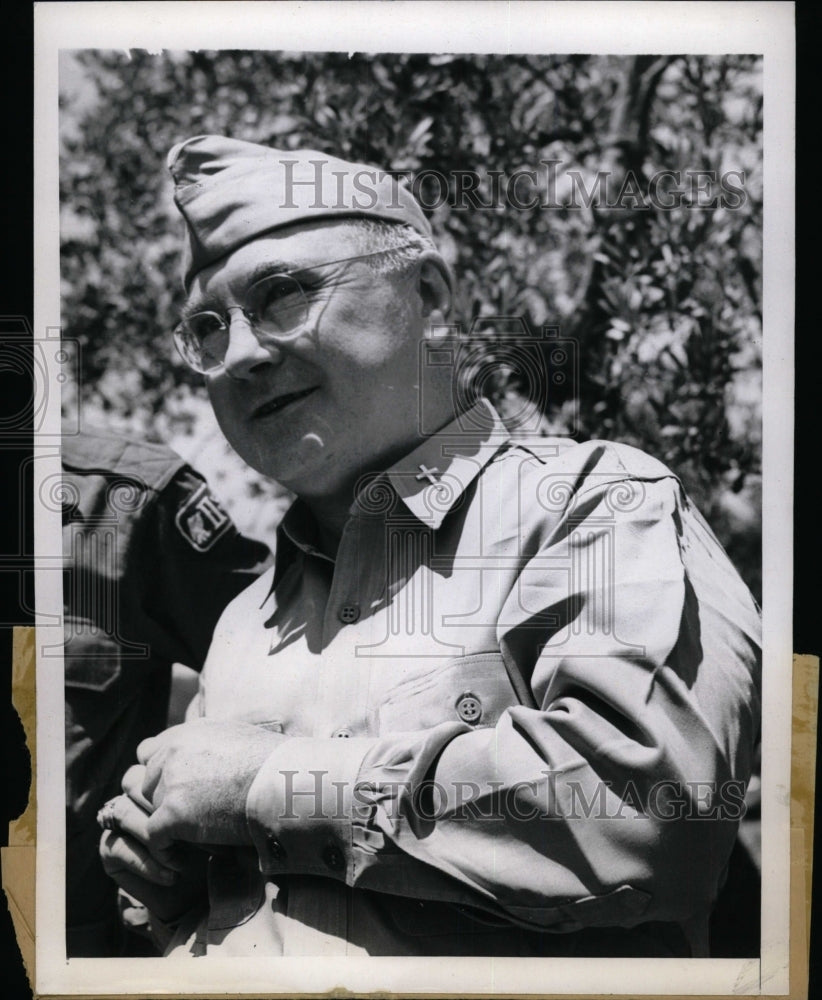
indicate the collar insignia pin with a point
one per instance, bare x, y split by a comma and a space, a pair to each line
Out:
430, 475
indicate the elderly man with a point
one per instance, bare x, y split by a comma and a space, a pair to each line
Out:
494, 698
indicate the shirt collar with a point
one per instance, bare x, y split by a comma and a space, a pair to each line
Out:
299, 530
429, 481
296, 532
434, 476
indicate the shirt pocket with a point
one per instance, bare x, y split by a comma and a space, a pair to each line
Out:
473, 689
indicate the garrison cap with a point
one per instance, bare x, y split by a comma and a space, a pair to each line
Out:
229, 192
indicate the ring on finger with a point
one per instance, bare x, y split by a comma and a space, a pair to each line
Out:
107, 816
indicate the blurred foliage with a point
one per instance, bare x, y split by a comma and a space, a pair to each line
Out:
662, 304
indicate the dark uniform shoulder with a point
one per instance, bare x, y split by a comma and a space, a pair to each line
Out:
96, 451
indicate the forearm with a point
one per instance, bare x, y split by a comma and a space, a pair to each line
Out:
522, 819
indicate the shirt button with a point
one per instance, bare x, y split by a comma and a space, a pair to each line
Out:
349, 613
469, 708
275, 848
333, 858
342, 734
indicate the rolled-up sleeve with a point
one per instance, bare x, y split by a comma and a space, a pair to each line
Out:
609, 796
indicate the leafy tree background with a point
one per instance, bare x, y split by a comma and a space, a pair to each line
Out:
663, 306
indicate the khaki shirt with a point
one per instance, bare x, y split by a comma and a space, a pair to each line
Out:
523, 702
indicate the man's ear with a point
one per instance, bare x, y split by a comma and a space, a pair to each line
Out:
436, 288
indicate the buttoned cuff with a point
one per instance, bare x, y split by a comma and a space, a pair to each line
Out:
301, 804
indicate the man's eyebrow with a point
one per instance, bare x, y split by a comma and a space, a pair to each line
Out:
266, 267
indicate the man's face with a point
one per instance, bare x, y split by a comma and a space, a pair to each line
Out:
317, 410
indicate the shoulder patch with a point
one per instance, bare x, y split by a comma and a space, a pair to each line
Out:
201, 519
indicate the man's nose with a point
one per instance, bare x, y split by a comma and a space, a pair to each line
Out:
245, 354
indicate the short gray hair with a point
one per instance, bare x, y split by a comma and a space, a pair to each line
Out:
375, 234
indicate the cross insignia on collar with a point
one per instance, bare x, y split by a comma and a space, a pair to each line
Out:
430, 475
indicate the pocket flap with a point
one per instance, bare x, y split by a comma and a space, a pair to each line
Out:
474, 689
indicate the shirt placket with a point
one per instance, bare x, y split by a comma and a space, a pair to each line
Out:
356, 587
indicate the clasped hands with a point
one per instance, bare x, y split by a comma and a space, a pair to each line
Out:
187, 792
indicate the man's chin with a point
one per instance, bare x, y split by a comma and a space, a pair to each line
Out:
297, 466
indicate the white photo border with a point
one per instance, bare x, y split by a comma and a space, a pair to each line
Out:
594, 27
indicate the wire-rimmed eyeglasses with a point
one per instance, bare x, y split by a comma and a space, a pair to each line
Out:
276, 308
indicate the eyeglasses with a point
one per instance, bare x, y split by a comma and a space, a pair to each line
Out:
276, 308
